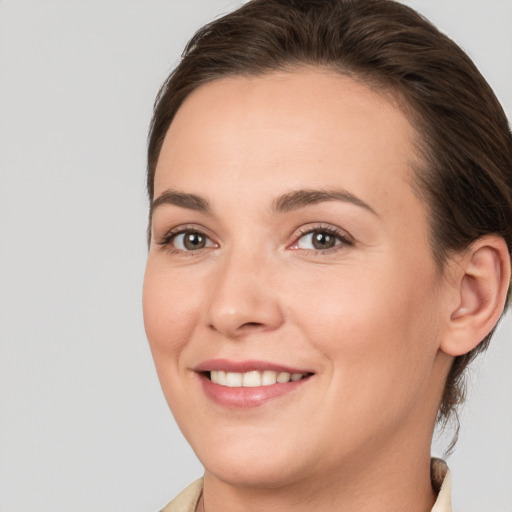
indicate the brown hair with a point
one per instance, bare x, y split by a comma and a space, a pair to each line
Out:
465, 142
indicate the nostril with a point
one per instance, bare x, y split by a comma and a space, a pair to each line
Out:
250, 326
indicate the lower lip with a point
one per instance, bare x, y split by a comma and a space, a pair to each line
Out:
243, 398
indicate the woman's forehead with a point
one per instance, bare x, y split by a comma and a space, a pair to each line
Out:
293, 130
286, 99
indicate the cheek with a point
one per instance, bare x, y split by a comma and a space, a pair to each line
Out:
170, 314
347, 305
374, 327
170, 306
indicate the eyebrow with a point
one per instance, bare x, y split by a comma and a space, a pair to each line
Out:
288, 202
189, 201
299, 198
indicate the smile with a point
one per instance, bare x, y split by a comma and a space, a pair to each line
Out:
253, 379
248, 384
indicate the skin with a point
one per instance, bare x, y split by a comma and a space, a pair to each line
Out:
368, 317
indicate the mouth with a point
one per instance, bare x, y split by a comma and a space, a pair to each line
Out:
248, 384
252, 379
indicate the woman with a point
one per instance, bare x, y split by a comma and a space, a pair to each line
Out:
330, 236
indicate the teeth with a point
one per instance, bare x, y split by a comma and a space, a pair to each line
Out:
283, 377
268, 378
233, 380
219, 377
252, 379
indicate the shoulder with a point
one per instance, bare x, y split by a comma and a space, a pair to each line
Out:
187, 500
441, 483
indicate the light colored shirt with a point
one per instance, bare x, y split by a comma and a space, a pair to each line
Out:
187, 500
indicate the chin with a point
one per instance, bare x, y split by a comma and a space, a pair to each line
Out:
259, 474
252, 461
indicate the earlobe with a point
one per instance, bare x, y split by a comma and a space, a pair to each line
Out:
482, 281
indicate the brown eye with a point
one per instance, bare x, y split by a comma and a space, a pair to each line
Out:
320, 240
191, 241
323, 240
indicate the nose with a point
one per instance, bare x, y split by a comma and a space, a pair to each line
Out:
244, 296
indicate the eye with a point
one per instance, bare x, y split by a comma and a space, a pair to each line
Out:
191, 241
186, 240
321, 239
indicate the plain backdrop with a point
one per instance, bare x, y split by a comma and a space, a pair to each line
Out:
83, 423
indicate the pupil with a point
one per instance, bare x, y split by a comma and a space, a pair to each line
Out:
194, 241
323, 240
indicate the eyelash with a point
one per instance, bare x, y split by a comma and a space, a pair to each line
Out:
342, 236
345, 240
171, 235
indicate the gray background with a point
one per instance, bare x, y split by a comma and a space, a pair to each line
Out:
83, 424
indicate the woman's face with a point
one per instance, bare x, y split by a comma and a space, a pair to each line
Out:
290, 256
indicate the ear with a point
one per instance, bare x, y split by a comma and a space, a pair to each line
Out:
481, 277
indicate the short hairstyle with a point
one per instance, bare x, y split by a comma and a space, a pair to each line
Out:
464, 141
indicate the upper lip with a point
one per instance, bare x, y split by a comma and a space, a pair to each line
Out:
245, 366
